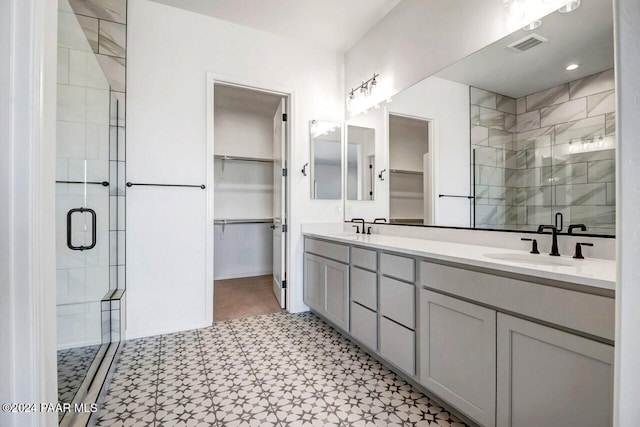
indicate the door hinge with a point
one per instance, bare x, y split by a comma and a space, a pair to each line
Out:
284, 117
284, 172
284, 284
284, 228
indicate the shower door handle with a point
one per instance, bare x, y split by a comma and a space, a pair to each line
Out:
93, 229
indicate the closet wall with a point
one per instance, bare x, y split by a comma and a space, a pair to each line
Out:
243, 182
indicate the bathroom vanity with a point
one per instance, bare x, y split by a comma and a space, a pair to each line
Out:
505, 337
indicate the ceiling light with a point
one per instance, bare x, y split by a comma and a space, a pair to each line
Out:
533, 25
570, 7
572, 67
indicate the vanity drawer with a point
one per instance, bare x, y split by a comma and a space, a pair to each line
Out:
580, 311
364, 325
329, 250
398, 345
398, 266
364, 258
397, 301
364, 287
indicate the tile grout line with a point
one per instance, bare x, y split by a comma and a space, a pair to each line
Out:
204, 365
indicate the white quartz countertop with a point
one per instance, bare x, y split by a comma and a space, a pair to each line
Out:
597, 273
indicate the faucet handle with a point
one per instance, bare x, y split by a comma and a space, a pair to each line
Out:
579, 245
357, 229
534, 246
580, 227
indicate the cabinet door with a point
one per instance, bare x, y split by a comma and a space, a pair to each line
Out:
548, 377
458, 354
314, 282
336, 282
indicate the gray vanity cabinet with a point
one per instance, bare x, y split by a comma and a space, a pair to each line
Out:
313, 281
570, 378
458, 355
326, 280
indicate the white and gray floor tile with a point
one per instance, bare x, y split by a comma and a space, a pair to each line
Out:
278, 369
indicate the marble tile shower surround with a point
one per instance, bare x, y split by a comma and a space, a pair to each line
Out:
557, 157
104, 25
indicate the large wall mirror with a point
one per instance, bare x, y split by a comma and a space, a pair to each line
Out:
518, 134
326, 160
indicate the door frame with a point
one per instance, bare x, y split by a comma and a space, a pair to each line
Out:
433, 150
289, 94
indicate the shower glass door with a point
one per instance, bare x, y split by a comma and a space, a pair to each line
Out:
87, 211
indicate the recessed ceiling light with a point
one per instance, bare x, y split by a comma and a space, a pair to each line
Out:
533, 25
570, 7
572, 67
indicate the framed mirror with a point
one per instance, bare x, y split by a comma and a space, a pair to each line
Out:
520, 133
361, 163
326, 160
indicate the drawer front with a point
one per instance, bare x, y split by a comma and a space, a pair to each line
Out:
398, 345
591, 314
398, 266
329, 250
364, 287
397, 301
364, 325
364, 258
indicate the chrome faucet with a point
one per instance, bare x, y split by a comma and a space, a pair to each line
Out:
554, 244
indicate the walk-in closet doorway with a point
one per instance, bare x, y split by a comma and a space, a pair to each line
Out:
250, 146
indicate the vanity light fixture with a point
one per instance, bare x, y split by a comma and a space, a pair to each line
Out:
572, 67
532, 25
365, 96
570, 7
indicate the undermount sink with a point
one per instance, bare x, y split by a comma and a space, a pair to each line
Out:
532, 259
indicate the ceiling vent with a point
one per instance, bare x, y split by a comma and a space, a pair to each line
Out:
527, 43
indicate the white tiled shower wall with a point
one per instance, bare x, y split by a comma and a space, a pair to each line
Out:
547, 152
90, 146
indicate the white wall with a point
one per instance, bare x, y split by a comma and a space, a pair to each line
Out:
446, 104
627, 17
169, 53
418, 38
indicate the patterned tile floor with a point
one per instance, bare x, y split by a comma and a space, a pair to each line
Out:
73, 364
275, 369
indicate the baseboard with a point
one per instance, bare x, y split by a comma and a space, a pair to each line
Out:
132, 335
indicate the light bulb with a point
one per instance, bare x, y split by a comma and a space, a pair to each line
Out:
533, 25
572, 67
570, 7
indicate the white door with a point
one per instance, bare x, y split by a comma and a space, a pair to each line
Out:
279, 204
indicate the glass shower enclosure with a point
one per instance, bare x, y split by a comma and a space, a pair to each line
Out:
89, 217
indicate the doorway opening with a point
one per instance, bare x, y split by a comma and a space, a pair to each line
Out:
250, 149
410, 170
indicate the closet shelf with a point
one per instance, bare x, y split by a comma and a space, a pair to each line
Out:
243, 221
406, 172
406, 195
242, 159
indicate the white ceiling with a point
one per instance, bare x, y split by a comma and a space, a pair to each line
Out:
334, 24
584, 36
